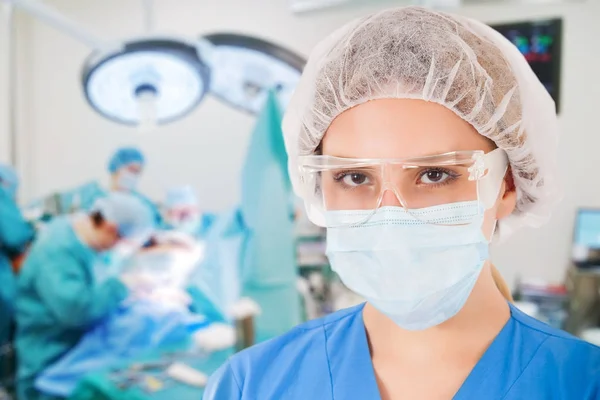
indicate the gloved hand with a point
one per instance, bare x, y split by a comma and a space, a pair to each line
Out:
138, 284
244, 308
171, 296
215, 337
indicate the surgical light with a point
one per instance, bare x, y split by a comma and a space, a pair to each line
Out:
146, 82
155, 80
245, 68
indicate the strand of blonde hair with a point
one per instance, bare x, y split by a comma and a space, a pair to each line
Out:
501, 284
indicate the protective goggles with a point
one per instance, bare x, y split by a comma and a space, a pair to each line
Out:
360, 186
182, 214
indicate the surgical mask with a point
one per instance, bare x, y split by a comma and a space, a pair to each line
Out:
128, 180
189, 226
418, 274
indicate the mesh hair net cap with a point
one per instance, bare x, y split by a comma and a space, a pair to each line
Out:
125, 156
133, 218
462, 64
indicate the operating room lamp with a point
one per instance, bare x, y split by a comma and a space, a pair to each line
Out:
142, 81
248, 67
152, 80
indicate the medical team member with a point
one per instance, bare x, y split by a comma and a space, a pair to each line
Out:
416, 138
183, 212
126, 167
58, 299
15, 235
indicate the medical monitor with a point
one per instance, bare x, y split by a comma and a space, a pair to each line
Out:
540, 43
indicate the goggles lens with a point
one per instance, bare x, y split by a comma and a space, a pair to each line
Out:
359, 186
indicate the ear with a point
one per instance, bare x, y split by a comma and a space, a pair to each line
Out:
508, 197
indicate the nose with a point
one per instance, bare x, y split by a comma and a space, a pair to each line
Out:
390, 199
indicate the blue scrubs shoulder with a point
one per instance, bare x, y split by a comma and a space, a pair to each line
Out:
329, 358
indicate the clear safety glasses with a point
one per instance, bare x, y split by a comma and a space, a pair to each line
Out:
182, 214
358, 187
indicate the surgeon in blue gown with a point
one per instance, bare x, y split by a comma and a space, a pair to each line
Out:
183, 213
15, 235
58, 297
416, 138
126, 167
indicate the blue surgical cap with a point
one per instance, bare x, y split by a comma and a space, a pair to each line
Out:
181, 196
9, 179
132, 217
125, 156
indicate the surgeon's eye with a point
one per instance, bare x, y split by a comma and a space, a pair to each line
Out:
352, 178
437, 176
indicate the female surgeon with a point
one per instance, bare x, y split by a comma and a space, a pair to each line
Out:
417, 138
58, 297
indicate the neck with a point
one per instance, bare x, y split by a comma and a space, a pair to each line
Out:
113, 183
472, 330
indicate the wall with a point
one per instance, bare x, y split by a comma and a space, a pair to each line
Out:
4, 82
63, 142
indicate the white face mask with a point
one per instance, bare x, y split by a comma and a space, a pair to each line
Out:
417, 274
189, 225
128, 181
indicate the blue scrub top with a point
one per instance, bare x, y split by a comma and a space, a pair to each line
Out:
15, 234
57, 301
156, 215
329, 358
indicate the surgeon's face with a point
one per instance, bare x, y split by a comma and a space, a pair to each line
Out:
107, 236
183, 214
127, 178
134, 168
403, 128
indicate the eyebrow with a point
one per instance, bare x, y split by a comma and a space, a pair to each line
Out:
427, 154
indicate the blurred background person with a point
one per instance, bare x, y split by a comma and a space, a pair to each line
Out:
58, 298
182, 212
126, 167
15, 236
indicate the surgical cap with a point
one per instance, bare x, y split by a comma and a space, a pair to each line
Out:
132, 217
181, 196
123, 157
9, 179
459, 63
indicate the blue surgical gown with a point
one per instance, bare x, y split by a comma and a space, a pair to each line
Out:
15, 234
215, 284
156, 215
269, 268
329, 359
58, 300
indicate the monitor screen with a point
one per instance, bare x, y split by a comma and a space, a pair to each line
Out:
540, 43
587, 229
